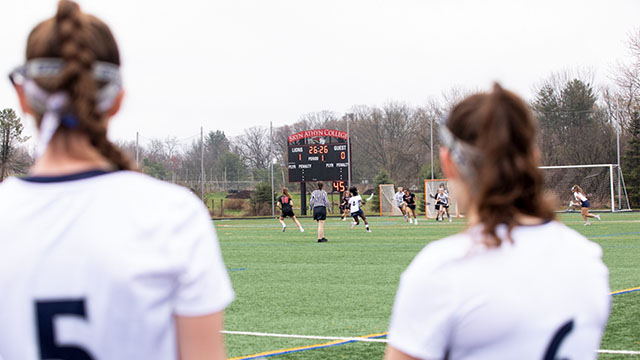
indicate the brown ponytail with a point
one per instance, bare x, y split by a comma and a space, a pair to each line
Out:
80, 40
285, 192
505, 175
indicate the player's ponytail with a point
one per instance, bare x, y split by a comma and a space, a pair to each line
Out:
285, 192
492, 140
79, 40
577, 188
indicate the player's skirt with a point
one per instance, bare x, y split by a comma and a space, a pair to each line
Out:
319, 213
412, 206
357, 213
438, 203
585, 204
287, 213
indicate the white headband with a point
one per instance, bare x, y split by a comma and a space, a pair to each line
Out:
462, 153
55, 107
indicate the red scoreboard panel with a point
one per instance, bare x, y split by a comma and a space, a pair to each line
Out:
318, 162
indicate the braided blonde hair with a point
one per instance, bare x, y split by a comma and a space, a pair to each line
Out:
80, 40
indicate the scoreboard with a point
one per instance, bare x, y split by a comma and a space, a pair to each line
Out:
318, 162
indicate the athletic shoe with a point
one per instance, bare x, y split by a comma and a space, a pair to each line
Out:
353, 225
415, 221
344, 219
410, 221
284, 228
322, 240
449, 219
598, 217
301, 230
587, 223
368, 230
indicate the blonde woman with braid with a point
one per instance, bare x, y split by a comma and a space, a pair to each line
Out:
98, 261
584, 203
515, 284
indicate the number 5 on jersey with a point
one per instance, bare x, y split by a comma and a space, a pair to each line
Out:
46, 314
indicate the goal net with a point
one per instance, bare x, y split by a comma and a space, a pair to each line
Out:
603, 185
388, 205
430, 190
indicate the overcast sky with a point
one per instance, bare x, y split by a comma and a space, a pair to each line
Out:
234, 64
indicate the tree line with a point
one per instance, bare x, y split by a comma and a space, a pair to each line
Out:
578, 121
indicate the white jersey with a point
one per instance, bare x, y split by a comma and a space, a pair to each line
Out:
462, 299
443, 198
579, 196
97, 264
399, 198
354, 203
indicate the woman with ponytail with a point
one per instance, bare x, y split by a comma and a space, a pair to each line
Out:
98, 261
581, 198
285, 203
516, 284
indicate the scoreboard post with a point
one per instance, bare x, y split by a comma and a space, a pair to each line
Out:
318, 155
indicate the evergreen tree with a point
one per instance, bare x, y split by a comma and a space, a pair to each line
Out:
260, 200
383, 177
547, 109
632, 161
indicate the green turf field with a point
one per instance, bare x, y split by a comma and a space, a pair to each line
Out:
287, 283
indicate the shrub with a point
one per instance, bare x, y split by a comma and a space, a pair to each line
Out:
260, 201
234, 204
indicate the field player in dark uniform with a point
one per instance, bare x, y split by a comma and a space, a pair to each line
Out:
344, 205
285, 203
410, 200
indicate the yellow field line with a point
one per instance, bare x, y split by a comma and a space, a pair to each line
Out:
302, 348
625, 290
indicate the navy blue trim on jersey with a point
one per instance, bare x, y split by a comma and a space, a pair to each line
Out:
63, 178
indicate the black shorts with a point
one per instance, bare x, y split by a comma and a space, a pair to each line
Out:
412, 206
287, 212
446, 206
357, 213
319, 213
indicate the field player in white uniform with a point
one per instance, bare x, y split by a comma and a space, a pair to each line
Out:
355, 206
98, 262
399, 198
515, 284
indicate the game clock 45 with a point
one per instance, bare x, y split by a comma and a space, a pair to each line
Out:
318, 162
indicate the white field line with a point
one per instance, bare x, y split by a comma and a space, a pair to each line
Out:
620, 352
305, 336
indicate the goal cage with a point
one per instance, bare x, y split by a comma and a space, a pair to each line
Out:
430, 190
603, 185
388, 205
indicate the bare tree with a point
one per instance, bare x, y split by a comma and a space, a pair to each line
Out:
253, 144
10, 140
